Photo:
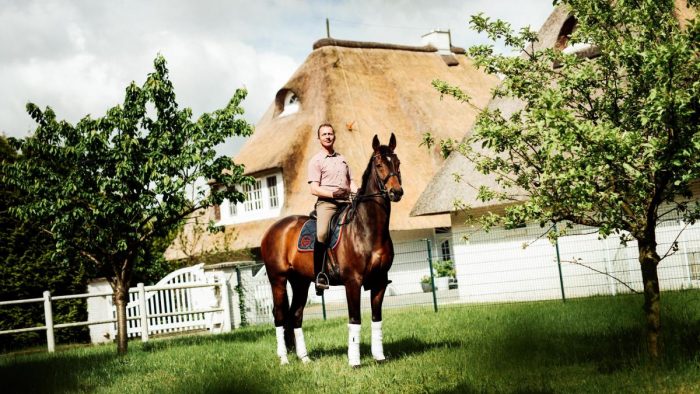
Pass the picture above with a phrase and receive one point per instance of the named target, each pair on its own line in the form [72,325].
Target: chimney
[440,39]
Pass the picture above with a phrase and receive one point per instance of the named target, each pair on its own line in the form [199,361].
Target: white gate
[172,301]
[259,287]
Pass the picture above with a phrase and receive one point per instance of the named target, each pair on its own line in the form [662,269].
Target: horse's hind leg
[300,292]
[280,311]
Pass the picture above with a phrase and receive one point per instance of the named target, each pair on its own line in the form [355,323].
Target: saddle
[307,235]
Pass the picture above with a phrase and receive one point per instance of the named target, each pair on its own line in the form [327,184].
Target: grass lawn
[587,345]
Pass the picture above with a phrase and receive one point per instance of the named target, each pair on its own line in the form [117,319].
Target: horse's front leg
[300,292]
[352,293]
[377,298]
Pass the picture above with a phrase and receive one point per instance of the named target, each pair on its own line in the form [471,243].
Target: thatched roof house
[363,89]
[444,195]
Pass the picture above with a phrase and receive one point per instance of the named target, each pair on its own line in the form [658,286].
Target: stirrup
[320,287]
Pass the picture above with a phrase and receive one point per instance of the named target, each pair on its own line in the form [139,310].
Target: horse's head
[387,168]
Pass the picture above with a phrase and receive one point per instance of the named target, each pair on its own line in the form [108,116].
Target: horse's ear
[375,142]
[392,142]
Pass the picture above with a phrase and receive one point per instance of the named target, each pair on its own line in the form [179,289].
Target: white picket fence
[262,294]
[183,301]
[175,303]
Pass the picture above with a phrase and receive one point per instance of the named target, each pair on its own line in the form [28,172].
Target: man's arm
[353,187]
[320,191]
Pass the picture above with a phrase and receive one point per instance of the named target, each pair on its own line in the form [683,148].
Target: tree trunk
[649,260]
[121,299]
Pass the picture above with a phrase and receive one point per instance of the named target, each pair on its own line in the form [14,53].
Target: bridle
[381,183]
[383,192]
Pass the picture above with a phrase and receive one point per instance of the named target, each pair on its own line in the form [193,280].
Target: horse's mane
[383,150]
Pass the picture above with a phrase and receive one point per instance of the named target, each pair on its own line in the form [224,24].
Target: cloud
[78,56]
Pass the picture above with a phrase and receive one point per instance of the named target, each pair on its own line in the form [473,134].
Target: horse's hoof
[305,360]
[380,360]
[357,366]
[284,361]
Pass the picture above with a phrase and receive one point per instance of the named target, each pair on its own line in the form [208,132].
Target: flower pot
[427,287]
[442,283]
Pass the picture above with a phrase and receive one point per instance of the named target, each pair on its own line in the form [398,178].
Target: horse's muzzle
[395,194]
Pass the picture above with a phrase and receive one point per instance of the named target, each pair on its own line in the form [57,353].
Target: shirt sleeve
[314,171]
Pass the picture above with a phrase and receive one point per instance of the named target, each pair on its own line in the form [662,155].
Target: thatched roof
[363,89]
[443,192]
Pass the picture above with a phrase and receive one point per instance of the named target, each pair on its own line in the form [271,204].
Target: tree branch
[604,273]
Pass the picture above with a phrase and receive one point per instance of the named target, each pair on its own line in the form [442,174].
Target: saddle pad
[307,236]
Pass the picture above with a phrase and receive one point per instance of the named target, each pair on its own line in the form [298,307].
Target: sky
[78,57]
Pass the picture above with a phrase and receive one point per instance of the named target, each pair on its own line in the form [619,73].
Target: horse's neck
[374,214]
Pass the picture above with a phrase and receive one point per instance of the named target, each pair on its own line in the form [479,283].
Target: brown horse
[362,258]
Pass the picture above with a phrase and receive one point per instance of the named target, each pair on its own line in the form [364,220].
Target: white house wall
[494,266]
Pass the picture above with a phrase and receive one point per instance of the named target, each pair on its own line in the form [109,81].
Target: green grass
[590,345]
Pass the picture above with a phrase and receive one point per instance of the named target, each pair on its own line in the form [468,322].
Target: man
[331,182]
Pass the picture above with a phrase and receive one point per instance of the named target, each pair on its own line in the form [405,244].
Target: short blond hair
[318,131]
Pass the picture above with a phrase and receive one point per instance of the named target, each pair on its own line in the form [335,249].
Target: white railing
[144,319]
[262,293]
[173,309]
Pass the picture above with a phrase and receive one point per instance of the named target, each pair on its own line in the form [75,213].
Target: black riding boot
[321,277]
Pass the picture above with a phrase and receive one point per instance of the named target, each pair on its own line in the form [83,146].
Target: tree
[27,270]
[111,187]
[610,142]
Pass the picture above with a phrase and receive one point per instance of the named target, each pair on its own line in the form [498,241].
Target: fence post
[226,301]
[323,304]
[48,315]
[144,312]
[240,292]
[561,277]
[432,277]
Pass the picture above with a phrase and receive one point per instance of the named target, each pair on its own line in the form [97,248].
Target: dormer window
[565,33]
[287,102]
[580,49]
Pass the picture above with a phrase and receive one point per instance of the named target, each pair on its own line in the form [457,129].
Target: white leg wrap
[281,347]
[301,345]
[354,344]
[377,346]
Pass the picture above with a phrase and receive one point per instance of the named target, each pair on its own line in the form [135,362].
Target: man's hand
[340,194]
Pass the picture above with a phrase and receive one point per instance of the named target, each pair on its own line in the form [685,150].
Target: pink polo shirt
[330,171]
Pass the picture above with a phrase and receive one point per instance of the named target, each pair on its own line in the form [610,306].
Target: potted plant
[445,273]
[426,284]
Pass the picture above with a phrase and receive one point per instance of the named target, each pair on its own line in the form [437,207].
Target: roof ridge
[380,45]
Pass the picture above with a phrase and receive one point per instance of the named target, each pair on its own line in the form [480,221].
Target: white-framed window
[232,211]
[272,191]
[443,237]
[264,200]
[253,196]
[445,250]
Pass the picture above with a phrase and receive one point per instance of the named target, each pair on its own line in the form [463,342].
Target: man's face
[326,136]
